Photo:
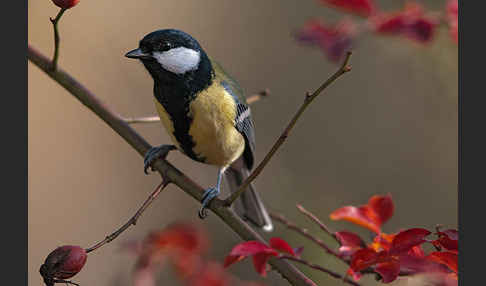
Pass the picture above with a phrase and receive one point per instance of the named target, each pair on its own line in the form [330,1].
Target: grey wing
[243,123]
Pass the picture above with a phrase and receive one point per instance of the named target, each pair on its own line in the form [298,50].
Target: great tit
[205,113]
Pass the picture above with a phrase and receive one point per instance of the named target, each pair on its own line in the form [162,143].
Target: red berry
[66,4]
[63,263]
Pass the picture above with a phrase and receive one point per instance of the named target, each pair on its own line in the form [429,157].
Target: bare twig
[256,97]
[316,220]
[305,233]
[117,123]
[308,99]
[133,219]
[151,119]
[56,37]
[320,268]
[148,119]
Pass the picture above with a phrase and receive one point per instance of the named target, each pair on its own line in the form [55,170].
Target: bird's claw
[155,153]
[208,195]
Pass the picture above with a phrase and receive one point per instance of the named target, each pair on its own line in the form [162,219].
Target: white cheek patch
[178,60]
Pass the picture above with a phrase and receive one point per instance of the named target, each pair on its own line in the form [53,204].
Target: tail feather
[249,206]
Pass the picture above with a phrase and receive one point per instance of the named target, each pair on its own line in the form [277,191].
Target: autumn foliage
[183,246]
[387,255]
[413,22]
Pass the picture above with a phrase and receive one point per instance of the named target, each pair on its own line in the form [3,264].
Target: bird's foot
[208,195]
[155,153]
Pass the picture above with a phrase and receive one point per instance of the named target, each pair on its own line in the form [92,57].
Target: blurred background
[389,126]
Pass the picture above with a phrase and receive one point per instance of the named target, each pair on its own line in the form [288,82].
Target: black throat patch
[175,93]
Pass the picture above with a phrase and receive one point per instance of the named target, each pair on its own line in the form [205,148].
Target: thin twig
[305,233]
[256,97]
[148,119]
[308,99]
[320,268]
[133,219]
[151,119]
[316,220]
[116,122]
[56,37]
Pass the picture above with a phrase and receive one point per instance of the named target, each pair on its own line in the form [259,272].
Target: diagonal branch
[308,99]
[305,233]
[116,122]
[133,220]
[318,221]
[320,268]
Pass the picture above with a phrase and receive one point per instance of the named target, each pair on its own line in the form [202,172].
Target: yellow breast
[213,127]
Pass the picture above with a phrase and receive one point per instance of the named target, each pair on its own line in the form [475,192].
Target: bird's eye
[165,46]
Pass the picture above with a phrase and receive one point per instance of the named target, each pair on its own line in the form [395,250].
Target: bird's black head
[173,56]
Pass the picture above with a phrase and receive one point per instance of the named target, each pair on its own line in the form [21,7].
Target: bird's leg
[210,194]
[155,153]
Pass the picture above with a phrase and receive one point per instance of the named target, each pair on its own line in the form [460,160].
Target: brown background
[389,126]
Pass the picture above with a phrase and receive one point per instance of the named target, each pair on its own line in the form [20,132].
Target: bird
[205,113]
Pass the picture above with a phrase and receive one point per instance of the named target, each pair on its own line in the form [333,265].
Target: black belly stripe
[178,112]
[176,92]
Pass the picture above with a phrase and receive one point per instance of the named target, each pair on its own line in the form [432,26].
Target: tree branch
[133,219]
[305,233]
[117,123]
[56,37]
[320,268]
[308,99]
[317,221]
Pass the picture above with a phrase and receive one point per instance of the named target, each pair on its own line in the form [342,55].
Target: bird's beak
[137,54]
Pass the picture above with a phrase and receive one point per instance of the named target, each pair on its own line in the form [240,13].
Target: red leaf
[383,207]
[230,259]
[447,239]
[281,245]
[355,274]
[388,270]
[367,257]
[359,216]
[360,7]
[260,262]
[452,11]
[416,251]
[411,22]
[371,216]
[382,241]
[349,242]
[347,238]
[447,258]
[333,40]
[181,236]
[422,30]
[180,243]
[407,239]
[251,248]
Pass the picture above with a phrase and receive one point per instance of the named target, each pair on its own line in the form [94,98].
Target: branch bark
[117,123]
[320,268]
[307,101]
